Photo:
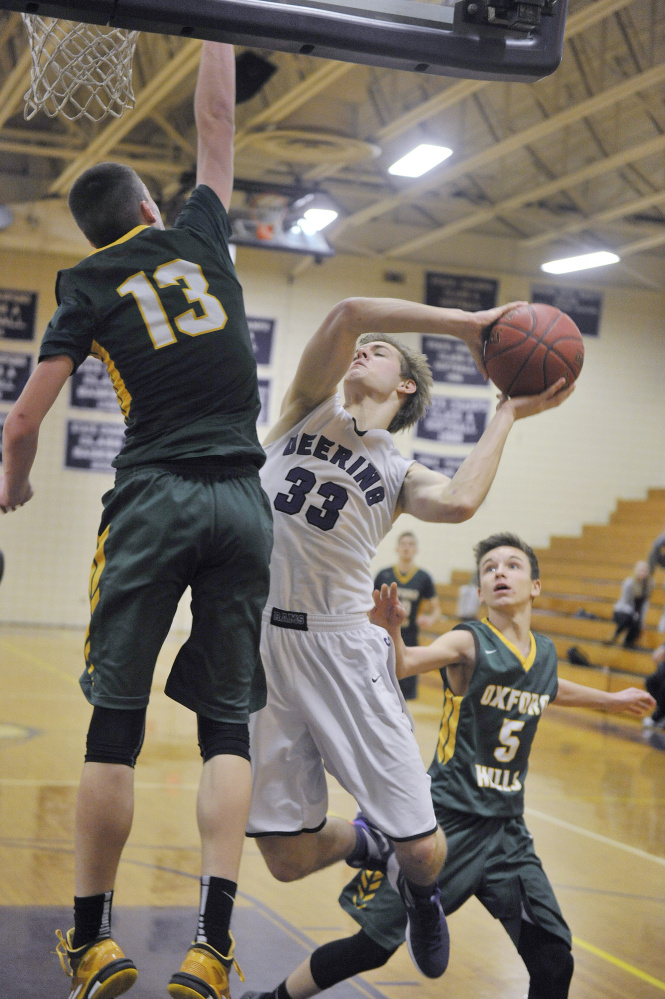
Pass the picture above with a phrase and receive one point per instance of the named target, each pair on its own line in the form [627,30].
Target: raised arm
[456,648]
[214,112]
[631,699]
[21,431]
[329,353]
[434,497]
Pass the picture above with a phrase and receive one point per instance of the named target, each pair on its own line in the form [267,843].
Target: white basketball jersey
[333,492]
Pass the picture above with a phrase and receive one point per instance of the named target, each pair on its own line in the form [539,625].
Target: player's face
[505,579]
[406,549]
[377,366]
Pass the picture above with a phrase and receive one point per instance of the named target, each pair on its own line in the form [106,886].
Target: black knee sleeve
[115,735]
[341,959]
[548,961]
[222,739]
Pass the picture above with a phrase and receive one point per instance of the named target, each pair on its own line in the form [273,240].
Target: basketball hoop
[267,210]
[78,70]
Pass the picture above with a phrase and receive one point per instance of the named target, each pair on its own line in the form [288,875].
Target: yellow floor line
[629,968]
[36,661]
[597,836]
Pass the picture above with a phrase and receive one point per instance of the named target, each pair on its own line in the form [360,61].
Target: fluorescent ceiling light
[316,219]
[420,160]
[581,263]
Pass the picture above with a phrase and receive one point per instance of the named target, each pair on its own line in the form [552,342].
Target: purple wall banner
[14,372]
[91,388]
[92,446]
[454,421]
[447,464]
[451,361]
[18,310]
[584,307]
[261,332]
[264,396]
[456,291]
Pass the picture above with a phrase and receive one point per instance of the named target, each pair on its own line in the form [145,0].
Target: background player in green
[498,678]
[164,310]
[417,594]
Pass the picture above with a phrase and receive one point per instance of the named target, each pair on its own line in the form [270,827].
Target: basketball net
[78,70]
[267,211]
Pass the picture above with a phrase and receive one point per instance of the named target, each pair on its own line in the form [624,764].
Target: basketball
[531,347]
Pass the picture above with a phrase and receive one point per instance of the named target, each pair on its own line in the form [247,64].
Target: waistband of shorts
[292,620]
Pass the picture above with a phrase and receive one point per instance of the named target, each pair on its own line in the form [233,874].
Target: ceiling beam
[325,76]
[463,89]
[641,81]
[530,196]
[598,218]
[13,89]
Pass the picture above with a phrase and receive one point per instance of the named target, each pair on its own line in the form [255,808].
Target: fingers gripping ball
[531,347]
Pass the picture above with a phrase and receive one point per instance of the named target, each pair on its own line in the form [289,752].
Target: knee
[422,858]
[282,860]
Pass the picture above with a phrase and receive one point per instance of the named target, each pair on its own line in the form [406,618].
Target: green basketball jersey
[482,753]
[164,311]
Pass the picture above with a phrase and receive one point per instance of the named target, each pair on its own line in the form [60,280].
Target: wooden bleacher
[580,577]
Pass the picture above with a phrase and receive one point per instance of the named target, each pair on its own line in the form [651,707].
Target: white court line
[597,836]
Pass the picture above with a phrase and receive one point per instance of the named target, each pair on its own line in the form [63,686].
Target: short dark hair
[105,202]
[407,534]
[507,540]
[415,366]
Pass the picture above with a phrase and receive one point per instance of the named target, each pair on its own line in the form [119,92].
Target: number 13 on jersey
[188,276]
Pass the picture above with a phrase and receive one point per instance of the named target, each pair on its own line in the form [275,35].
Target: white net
[79,70]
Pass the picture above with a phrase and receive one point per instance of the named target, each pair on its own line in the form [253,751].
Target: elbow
[352,316]
[18,428]
[457,513]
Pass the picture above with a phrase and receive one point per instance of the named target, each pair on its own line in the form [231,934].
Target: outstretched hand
[633,700]
[387,611]
[530,405]
[481,322]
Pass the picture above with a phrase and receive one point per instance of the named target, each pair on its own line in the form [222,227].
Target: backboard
[508,40]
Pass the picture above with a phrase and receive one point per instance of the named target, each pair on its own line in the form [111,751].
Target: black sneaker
[379,847]
[427,934]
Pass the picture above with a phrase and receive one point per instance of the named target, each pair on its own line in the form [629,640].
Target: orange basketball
[531,347]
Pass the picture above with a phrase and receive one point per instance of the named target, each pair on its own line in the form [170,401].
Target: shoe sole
[112,981]
[185,986]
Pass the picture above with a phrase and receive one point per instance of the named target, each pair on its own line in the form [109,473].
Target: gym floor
[595,805]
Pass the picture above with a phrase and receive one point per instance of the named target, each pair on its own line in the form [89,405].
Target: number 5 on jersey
[187,276]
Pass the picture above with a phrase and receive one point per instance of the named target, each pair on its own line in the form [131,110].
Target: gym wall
[559,470]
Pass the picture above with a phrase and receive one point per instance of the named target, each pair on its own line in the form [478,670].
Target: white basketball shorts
[333,702]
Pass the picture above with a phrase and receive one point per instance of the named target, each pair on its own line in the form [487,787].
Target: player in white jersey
[336,483]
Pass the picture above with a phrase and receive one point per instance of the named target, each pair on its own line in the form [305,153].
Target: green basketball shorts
[162,531]
[491,858]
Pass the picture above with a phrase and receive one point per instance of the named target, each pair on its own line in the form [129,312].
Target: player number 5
[509,742]
[187,276]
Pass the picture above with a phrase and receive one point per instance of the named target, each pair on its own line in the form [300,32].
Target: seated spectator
[630,608]
[655,685]
[657,557]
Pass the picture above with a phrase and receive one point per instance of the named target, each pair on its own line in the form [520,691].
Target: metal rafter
[591,106]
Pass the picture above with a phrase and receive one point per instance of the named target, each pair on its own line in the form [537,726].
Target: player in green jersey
[164,310]
[498,678]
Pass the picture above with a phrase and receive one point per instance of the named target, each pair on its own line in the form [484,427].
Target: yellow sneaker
[204,972]
[99,968]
